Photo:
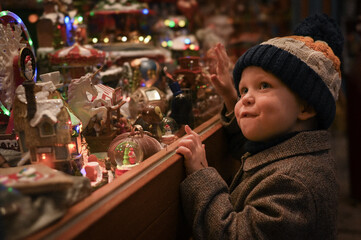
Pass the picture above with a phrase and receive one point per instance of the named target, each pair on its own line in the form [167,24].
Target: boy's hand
[192,149]
[223,81]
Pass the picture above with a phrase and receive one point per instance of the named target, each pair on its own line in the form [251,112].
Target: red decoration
[77,55]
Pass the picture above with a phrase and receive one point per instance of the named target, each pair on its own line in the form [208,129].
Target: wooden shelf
[143,203]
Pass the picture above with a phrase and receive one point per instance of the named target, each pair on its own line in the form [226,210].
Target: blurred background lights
[66,19]
[33,18]
[182,23]
[171,24]
[95,40]
[164,44]
[147,39]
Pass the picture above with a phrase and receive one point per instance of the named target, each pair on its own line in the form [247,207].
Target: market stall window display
[68,128]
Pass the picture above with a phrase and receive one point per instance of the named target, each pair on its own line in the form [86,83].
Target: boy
[286,186]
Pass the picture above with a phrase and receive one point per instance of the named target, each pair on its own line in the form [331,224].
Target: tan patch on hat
[320,46]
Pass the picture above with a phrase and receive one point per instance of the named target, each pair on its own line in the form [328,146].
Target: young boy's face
[267,107]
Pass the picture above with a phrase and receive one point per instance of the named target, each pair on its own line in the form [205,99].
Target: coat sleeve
[277,207]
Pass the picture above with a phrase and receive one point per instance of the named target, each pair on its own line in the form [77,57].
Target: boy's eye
[242,92]
[265,85]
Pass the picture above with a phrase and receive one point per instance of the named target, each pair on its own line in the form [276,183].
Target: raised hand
[222,81]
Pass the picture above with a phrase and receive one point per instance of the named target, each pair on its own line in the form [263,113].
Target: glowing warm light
[141,38]
[191,47]
[182,23]
[124,39]
[80,19]
[147,39]
[43,156]
[95,40]
[167,22]
[164,44]
[72,146]
[106,40]
[33,18]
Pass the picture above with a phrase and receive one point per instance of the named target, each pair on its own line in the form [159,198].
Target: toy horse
[81,105]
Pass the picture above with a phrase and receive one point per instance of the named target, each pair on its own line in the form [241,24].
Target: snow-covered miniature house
[46,133]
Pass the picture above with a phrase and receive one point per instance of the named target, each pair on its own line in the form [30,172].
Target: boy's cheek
[237,110]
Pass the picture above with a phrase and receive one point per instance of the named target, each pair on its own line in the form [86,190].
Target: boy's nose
[247,99]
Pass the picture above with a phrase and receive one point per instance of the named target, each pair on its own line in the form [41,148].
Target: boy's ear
[306,111]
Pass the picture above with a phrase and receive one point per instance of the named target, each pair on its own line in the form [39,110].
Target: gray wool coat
[288,191]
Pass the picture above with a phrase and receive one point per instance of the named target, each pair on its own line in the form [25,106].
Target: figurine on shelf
[181,104]
[29,73]
[150,119]
[79,102]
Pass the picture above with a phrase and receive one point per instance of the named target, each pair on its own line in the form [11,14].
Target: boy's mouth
[248,115]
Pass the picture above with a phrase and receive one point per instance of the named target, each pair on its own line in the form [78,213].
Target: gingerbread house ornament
[44,135]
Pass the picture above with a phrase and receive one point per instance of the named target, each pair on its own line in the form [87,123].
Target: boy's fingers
[188,143]
[184,151]
[214,79]
[188,129]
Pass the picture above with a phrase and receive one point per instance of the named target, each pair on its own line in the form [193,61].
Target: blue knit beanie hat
[308,62]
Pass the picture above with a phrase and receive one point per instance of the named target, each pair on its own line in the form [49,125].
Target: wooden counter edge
[82,215]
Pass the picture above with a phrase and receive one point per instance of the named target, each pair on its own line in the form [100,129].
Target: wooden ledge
[134,202]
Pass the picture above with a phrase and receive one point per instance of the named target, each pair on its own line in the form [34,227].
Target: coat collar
[302,143]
